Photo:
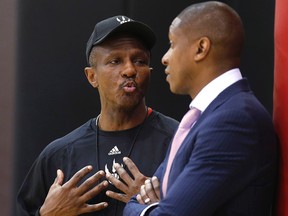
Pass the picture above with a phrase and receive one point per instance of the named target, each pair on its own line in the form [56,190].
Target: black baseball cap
[120,24]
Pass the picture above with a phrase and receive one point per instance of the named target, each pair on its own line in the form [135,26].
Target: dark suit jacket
[226,166]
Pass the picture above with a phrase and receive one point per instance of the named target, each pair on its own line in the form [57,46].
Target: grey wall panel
[8,28]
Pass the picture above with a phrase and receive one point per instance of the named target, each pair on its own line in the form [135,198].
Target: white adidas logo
[114,151]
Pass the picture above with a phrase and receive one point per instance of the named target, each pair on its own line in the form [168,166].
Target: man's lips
[129,86]
[167,74]
[166,71]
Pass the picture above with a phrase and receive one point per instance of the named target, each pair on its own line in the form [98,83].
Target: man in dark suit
[226,164]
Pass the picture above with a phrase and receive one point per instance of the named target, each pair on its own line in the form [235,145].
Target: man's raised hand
[70,199]
[130,185]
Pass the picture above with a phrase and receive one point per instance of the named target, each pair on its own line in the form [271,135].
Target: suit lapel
[180,158]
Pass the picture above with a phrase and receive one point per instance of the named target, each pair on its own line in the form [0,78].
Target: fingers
[139,199]
[94,191]
[149,192]
[93,207]
[118,196]
[59,178]
[72,196]
[88,187]
[143,198]
[131,166]
[123,174]
[78,176]
[129,185]
[137,178]
[127,189]
[156,186]
[117,183]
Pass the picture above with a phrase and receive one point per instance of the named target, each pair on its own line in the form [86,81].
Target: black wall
[52,94]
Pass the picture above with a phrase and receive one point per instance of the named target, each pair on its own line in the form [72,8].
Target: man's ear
[203,48]
[91,76]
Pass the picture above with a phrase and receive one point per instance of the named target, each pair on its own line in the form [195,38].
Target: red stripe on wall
[280,103]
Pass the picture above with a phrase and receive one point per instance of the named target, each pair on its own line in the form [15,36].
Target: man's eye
[114,61]
[141,61]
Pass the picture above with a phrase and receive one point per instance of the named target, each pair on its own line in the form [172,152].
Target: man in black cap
[118,55]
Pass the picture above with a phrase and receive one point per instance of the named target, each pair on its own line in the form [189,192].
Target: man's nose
[164,59]
[129,70]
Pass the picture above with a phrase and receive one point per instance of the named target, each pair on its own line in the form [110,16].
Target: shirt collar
[214,88]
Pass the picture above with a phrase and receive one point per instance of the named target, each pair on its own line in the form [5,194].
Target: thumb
[60,177]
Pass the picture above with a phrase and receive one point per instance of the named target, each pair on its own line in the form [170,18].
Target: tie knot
[189,118]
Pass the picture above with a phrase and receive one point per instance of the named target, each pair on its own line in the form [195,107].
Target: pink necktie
[184,127]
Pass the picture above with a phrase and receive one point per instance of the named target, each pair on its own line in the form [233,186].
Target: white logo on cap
[123,20]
